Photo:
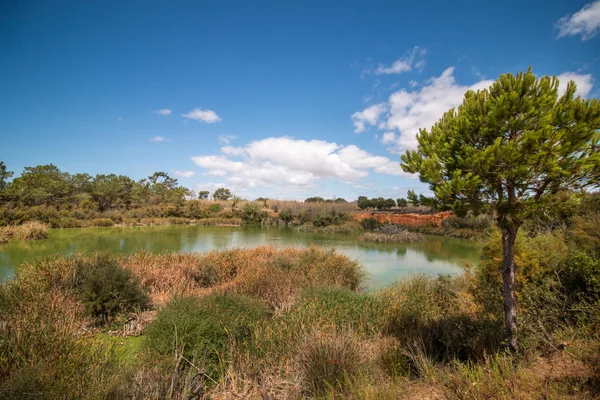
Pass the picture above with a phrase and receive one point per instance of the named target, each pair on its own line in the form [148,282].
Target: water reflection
[383,262]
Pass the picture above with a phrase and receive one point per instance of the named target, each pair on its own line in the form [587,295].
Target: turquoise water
[384,263]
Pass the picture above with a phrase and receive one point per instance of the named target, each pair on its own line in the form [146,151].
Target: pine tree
[510,147]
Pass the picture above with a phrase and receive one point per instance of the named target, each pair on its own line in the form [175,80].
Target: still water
[384,263]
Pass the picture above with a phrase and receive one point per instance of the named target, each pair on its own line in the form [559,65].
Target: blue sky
[269,98]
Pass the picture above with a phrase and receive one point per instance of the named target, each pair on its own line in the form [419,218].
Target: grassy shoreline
[285,323]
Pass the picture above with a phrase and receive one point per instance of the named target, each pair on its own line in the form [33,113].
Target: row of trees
[47,185]
[380,203]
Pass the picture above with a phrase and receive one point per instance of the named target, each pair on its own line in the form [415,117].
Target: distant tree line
[380,203]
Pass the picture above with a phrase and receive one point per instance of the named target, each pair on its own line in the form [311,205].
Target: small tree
[222,194]
[413,198]
[203,194]
[510,147]
[401,202]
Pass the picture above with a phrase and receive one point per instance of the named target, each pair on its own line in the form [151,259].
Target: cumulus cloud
[368,116]
[198,114]
[291,163]
[226,138]
[165,111]
[158,139]
[584,22]
[408,110]
[388,138]
[185,174]
[404,64]
[584,83]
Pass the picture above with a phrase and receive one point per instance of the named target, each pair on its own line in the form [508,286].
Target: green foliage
[337,307]
[329,362]
[105,288]
[215,208]
[511,146]
[204,327]
[370,224]
[401,202]
[479,222]
[413,198]
[286,215]
[437,316]
[580,275]
[203,194]
[314,200]
[4,176]
[222,194]
[252,212]
[379,203]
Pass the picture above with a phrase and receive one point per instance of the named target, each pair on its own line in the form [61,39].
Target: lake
[384,263]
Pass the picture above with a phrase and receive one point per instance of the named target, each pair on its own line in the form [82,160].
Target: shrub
[479,222]
[338,307]
[580,274]
[31,230]
[252,212]
[370,224]
[215,208]
[102,222]
[286,215]
[105,288]
[204,327]
[329,361]
[439,317]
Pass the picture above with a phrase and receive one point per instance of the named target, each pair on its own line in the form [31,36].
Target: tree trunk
[509,236]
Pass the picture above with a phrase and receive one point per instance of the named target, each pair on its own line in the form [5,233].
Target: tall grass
[31,230]
[294,323]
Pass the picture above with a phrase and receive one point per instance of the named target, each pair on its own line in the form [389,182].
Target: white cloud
[584,22]
[404,64]
[226,138]
[584,83]
[158,139]
[388,138]
[413,83]
[165,111]
[185,174]
[198,114]
[368,116]
[289,163]
[408,110]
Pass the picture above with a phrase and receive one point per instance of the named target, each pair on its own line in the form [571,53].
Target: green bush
[439,316]
[580,275]
[215,208]
[370,224]
[286,215]
[337,307]
[252,212]
[204,327]
[105,288]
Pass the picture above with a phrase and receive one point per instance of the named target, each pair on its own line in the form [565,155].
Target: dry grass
[32,230]
[401,237]
[271,274]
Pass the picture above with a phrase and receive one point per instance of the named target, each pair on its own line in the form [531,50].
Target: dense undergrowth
[268,323]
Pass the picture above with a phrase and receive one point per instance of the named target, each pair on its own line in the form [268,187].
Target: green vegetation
[298,320]
[510,147]
[197,327]
[105,289]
